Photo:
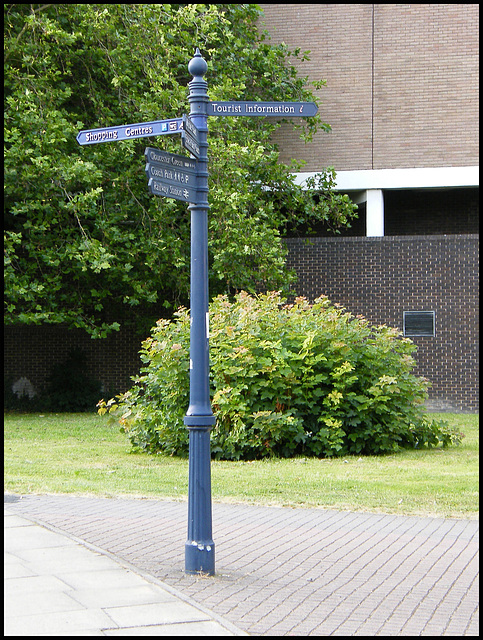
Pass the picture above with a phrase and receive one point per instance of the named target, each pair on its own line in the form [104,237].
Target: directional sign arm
[175,177]
[130,131]
[191,129]
[263,109]
[190,144]
[166,159]
[168,189]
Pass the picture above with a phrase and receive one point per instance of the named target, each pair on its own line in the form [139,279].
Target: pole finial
[197,66]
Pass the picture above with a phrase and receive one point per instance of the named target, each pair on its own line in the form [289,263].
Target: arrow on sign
[273,109]
[129,131]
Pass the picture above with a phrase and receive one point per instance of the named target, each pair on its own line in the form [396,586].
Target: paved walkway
[279,571]
[56,585]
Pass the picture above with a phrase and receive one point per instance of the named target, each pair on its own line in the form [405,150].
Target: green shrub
[286,379]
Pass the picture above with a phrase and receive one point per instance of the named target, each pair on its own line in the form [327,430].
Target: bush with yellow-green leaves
[286,379]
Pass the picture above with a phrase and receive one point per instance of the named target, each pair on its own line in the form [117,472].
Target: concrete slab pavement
[56,585]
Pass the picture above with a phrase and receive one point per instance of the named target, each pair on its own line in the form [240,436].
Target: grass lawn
[83,454]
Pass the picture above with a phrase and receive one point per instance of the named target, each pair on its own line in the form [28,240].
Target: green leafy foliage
[286,379]
[85,243]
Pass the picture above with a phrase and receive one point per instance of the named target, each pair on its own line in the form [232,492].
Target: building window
[418,323]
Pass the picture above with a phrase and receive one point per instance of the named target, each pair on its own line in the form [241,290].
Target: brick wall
[402,82]
[426,85]
[339,37]
[429,212]
[31,352]
[382,277]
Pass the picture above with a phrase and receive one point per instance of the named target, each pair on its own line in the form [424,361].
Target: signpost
[186,179]
[190,144]
[190,128]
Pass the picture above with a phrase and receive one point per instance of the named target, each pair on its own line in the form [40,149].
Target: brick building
[402,99]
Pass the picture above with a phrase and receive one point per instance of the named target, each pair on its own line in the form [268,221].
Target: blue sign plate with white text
[177,177]
[263,109]
[191,129]
[169,190]
[190,144]
[170,160]
[130,131]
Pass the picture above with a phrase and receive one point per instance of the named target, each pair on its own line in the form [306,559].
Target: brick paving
[295,572]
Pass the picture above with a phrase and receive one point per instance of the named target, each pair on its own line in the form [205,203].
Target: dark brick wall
[31,352]
[382,277]
[430,211]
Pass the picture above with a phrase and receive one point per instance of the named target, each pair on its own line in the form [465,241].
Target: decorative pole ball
[197,66]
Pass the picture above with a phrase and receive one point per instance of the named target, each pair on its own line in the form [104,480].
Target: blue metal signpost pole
[184,179]
[199,548]
[172,176]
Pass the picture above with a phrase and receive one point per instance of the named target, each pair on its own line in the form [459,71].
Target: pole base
[200,558]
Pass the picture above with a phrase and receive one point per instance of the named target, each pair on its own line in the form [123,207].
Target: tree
[85,242]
